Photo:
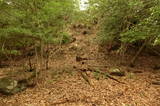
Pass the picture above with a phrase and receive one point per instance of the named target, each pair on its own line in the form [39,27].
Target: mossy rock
[18,83]
[9,86]
[116,72]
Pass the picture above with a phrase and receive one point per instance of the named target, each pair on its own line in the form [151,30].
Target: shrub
[129,21]
[27,22]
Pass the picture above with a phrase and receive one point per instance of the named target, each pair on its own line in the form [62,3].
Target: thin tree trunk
[41,55]
[37,68]
[47,57]
[137,54]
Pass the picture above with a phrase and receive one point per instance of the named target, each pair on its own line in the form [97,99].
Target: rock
[116,72]
[18,83]
[9,86]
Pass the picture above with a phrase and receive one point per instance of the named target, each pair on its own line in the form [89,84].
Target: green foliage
[63,38]
[11,52]
[97,74]
[24,22]
[131,75]
[82,17]
[128,21]
[149,27]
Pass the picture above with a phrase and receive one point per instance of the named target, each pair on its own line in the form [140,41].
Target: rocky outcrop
[13,85]
[9,86]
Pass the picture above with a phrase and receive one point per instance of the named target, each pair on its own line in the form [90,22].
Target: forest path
[65,86]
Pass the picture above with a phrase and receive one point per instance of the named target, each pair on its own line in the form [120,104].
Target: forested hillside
[79,52]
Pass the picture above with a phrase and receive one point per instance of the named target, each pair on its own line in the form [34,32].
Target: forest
[79,52]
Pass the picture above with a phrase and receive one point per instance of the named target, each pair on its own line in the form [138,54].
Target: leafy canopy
[127,21]
[24,22]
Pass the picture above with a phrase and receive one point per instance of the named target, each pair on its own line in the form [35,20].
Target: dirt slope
[65,86]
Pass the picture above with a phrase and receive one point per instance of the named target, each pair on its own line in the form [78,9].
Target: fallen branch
[102,73]
[107,75]
[99,66]
[85,78]
[156,82]
[114,79]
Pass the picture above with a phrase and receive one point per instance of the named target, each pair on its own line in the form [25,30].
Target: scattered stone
[116,72]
